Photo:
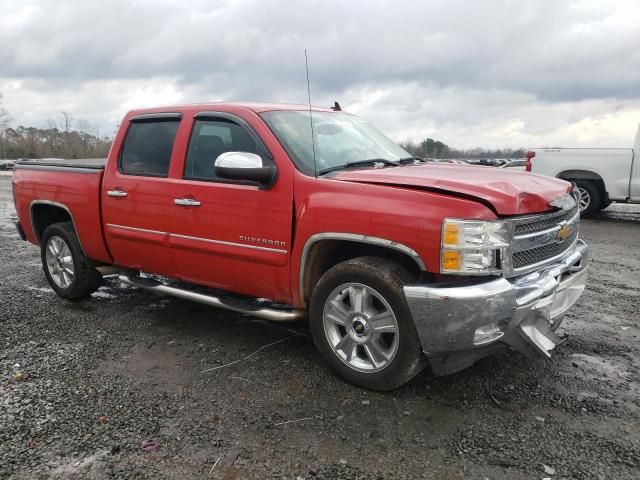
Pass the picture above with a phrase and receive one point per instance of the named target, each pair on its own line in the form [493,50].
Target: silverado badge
[563,233]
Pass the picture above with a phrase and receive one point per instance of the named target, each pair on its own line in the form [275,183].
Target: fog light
[487,334]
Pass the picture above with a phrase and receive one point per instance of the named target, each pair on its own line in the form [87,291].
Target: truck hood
[506,192]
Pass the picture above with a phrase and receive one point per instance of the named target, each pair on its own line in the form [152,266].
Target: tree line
[430,148]
[69,138]
[64,137]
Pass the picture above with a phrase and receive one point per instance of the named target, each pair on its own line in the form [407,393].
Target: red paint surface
[510,192]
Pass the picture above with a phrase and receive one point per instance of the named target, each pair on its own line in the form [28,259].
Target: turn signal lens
[451,260]
[450,234]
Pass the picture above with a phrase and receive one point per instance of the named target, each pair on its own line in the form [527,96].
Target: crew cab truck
[602,175]
[394,262]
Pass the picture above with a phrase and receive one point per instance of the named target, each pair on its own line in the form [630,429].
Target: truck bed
[71,186]
[61,163]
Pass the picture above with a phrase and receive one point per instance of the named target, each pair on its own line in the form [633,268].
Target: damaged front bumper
[457,325]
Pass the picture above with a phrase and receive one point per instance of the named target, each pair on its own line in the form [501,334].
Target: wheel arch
[44,213]
[325,250]
[590,176]
[580,175]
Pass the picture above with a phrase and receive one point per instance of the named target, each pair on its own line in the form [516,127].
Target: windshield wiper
[360,163]
[409,160]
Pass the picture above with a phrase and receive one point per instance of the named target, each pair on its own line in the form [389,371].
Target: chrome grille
[538,225]
[536,239]
[537,255]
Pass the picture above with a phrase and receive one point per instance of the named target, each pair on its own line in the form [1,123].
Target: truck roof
[254,106]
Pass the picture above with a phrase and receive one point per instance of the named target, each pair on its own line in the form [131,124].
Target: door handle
[116,193]
[186,202]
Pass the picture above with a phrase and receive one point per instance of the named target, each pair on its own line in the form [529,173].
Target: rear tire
[362,325]
[65,265]
[590,198]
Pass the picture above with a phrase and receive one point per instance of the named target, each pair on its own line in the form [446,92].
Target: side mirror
[244,166]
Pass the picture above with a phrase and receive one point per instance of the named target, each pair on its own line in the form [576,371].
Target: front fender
[403,219]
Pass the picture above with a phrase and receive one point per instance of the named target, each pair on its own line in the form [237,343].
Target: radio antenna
[313,141]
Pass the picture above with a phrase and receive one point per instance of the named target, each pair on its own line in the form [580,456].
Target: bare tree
[4,123]
[67,121]
[66,125]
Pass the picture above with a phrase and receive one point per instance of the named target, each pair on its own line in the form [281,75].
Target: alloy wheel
[585,199]
[360,327]
[59,261]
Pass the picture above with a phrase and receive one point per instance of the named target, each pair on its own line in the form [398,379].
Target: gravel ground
[125,385]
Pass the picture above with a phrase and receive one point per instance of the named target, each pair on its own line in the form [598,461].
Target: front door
[230,235]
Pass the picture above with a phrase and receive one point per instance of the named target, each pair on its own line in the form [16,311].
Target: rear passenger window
[209,139]
[147,148]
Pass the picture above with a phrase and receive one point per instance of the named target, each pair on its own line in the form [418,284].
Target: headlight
[471,247]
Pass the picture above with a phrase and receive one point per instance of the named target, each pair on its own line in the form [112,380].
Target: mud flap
[20,230]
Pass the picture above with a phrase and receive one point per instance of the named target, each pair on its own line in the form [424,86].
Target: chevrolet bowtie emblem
[563,233]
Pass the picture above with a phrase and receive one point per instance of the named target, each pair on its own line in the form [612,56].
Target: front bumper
[457,325]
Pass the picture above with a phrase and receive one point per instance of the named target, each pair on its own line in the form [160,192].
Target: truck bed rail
[61,164]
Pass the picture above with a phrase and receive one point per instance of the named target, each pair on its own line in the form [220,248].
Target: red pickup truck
[395,261]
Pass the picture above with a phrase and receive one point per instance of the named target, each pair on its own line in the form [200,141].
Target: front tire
[362,325]
[590,198]
[65,265]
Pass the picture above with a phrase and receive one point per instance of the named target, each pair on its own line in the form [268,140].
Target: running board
[273,314]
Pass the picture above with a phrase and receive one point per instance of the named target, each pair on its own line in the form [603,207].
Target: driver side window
[209,139]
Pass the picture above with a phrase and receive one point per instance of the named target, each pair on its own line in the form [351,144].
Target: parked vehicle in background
[488,162]
[6,165]
[448,160]
[602,175]
[516,165]
[392,259]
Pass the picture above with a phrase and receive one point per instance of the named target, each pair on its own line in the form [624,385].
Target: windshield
[340,138]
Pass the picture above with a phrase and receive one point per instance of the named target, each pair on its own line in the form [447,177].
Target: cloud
[490,73]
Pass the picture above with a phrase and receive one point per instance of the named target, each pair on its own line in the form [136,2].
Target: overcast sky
[471,73]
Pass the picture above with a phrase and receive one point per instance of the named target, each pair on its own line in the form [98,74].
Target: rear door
[137,211]
[231,235]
